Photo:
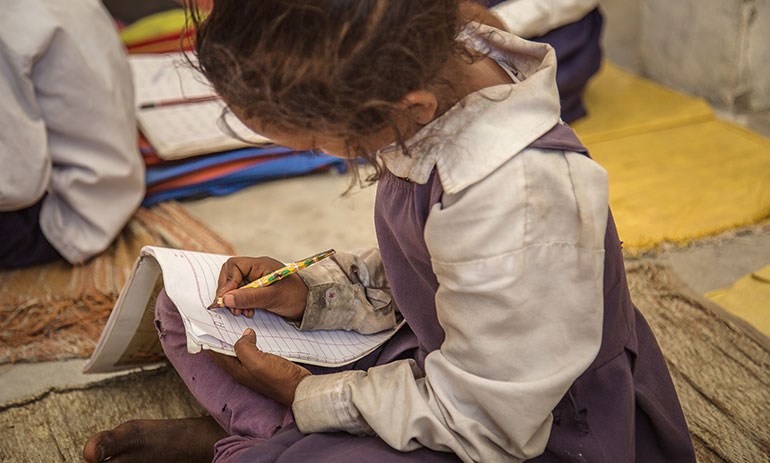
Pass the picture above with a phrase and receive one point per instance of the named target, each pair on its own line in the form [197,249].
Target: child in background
[495,244]
[572,27]
[72,174]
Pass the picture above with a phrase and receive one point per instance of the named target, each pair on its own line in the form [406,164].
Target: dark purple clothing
[578,57]
[623,408]
[262,430]
[22,242]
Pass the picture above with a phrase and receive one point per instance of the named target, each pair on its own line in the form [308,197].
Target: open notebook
[181,130]
[190,279]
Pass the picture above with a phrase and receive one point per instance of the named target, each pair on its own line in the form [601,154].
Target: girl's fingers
[246,345]
[231,275]
[245,312]
[237,271]
[252,298]
[267,374]
[261,364]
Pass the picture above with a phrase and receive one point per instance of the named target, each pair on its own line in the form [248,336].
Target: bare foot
[183,440]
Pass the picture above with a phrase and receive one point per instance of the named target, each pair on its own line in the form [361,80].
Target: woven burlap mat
[720,366]
[54,425]
[57,311]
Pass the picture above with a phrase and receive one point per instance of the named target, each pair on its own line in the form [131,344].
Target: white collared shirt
[533,18]
[67,123]
[517,247]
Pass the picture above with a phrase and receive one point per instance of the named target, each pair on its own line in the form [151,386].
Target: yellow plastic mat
[685,183]
[676,172]
[620,103]
[748,298]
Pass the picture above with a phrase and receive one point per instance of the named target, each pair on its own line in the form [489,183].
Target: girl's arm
[532,18]
[519,257]
[348,291]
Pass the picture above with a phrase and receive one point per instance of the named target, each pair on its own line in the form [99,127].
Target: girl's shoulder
[537,197]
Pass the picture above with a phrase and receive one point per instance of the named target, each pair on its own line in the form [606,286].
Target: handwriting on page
[274,335]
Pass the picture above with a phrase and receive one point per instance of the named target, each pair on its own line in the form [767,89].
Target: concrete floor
[292,218]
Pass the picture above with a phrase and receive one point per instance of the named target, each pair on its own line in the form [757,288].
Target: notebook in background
[181,130]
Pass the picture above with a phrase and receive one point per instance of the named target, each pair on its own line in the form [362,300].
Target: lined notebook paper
[190,280]
[184,130]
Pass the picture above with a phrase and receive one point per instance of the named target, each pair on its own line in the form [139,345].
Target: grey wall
[717,49]
[758,55]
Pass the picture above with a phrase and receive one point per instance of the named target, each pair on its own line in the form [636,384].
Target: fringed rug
[57,311]
[720,365]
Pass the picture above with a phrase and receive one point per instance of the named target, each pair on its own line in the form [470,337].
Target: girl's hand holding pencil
[246,284]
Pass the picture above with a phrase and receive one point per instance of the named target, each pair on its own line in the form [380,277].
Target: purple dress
[623,408]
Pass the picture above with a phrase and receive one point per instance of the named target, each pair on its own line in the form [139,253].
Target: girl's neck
[485,73]
[469,77]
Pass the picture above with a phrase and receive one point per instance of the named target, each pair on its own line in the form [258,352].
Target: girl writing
[495,244]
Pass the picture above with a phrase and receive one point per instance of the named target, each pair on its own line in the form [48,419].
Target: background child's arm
[67,124]
[532,18]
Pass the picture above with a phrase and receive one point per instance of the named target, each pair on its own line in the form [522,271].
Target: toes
[94,450]
[184,440]
[109,444]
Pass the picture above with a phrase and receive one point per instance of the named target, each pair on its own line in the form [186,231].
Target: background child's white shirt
[532,18]
[67,123]
[517,246]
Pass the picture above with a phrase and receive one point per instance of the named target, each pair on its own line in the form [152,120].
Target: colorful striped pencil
[283,272]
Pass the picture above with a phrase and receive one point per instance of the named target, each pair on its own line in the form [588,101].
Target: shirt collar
[488,127]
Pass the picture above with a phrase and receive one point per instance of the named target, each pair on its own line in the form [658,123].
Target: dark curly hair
[333,67]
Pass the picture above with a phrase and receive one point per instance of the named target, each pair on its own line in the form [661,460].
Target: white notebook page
[187,129]
[190,280]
